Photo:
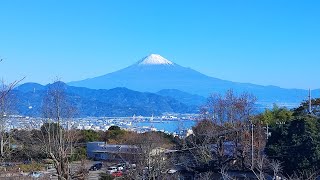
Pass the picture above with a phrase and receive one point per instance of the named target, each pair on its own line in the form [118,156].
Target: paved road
[93,175]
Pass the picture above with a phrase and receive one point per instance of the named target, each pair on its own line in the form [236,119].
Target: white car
[112,169]
[35,174]
[120,167]
[172,171]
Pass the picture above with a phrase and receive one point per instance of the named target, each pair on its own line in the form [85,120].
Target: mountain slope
[186,98]
[30,87]
[154,73]
[151,74]
[90,102]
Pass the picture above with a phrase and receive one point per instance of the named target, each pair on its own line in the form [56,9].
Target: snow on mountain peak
[155,59]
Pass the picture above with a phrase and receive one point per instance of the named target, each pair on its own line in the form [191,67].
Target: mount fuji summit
[155,73]
[155,59]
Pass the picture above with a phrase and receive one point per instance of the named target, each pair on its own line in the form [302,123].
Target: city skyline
[265,43]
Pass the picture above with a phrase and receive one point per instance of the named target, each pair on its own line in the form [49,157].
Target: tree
[223,138]
[303,109]
[29,145]
[152,161]
[115,135]
[277,115]
[6,106]
[58,139]
[296,144]
[228,108]
[90,136]
[114,128]
[276,167]
[6,88]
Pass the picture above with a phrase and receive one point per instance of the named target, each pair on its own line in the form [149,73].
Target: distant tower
[310,109]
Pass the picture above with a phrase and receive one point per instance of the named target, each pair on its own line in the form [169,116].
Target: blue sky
[262,42]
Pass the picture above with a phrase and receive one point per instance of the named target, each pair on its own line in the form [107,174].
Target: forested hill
[89,102]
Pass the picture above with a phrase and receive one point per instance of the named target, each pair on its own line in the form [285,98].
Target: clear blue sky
[274,42]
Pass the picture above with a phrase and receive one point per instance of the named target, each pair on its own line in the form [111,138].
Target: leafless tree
[276,167]
[260,167]
[224,174]
[4,140]
[205,176]
[152,161]
[223,136]
[6,88]
[6,106]
[234,113]
[229,108]
[81,172]
[57,137]
[312,174]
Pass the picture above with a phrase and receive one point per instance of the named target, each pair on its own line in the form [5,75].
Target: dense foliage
[296,141]
[276,115]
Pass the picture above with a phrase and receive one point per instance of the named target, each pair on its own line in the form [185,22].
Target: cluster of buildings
[136,123]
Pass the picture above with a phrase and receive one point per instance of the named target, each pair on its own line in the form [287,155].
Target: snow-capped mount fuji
[154,59]
[154,73]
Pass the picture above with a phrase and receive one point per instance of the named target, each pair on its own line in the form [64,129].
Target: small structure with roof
[104,151]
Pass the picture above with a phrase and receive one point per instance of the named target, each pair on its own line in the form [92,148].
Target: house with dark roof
[111,152]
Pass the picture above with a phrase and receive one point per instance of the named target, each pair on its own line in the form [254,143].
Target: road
[93,175]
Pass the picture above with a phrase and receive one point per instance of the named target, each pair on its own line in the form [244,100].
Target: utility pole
[252,153]
[267,131]
[310,108]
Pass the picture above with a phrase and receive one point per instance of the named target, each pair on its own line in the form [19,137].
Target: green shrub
[31,167]
[80,154]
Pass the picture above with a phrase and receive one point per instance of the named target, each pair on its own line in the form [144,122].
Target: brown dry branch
[57,137]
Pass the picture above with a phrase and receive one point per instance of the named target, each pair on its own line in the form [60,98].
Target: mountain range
[90,102]
[155,73]
[151,86]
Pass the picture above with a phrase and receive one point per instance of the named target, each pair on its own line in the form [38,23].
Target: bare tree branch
[58,138]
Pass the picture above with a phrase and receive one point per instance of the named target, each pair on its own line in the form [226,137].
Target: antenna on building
[310,108]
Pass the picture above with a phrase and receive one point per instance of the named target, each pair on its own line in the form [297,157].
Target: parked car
[35,174]
[112,169]
[117,174]
[120,167]
[96,166]
[130,166]
[50,166]
[172,171]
